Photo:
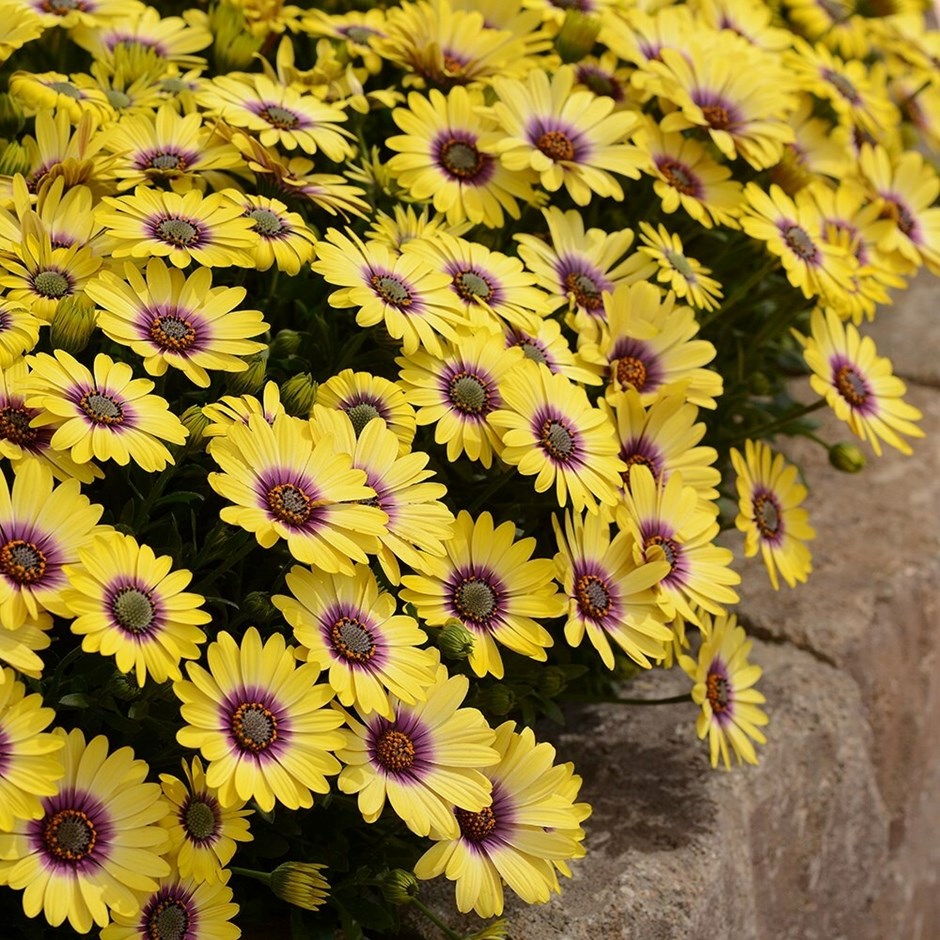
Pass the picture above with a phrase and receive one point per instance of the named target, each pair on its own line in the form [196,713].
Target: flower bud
[123,687]
[196,423]
[250,381]
[285,343]
[73,323]
[298,395]
[15,159]
[300,884]
[400,886]
[258,606]
[497,930]
[234,46]
[847,458]
[497,699]
[552,681]
[455,640]
[11,116]
[577,36]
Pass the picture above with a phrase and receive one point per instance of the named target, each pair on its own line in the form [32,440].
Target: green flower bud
[759,384]
[400,886]
[552,681]
[497,699]
[234,46]
[497,930]
[196,423]
[73,323]
[298,395]
[285,343]
[123,687]
[250,381]
[455,640]
[259,608]
[847,458]
[15,159]
[300,884]
[577,36]
[11,116]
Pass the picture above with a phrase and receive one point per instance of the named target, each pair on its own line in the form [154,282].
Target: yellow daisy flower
[347,626]
[232,409]
[130,604]
[609,595]
[202,832]
[97,844]
[284,241]
[819,148]
[424,760]
[54,91]
[358,29]
[173,320]
[105,415]
[770,516]
[406,225]
[570,138]
[18,648]
[532,827]
[858,384]
[550,429]
[549,346]
[493,586]
[21,25]
[685,276]
[724,687]
[69,13]
[285,486]
[210,230]
[260,721]
[43,526]
[19,331]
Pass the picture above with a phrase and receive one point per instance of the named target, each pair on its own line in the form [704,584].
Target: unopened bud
[497,930]
[123,687]
[15,159]
[577,35]
[234,46]
[73,323]
[285,343]
[298,395]
[196,423]
[552,681]
[455,640]
[400,886]
[11,116]
[258,606]
[251,380]
[497,699]
[847,458]
[300,884]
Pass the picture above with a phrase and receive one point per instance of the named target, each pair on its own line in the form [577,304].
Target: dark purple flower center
[14,425]
[592,595]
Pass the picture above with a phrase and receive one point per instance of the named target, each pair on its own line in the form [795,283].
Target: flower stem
[431,916]
[261,876]
[740,292]
[617,700]
[771,427]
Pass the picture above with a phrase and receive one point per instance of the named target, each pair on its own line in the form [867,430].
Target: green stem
[772,427]
[431,916]
[740,292]
[493,487]
[616,700]
[261,876]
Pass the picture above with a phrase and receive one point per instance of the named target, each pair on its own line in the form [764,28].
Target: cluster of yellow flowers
[503,194]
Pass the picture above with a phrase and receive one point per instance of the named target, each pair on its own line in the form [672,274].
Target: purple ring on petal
[456,153]
[257,724]
[577,276]
[353,638]
[74,834]
[475,594]
[558,140]
[557,437]
[403,749]
[635,365]
[289,497]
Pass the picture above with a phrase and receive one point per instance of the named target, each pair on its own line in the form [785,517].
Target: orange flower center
[102,409]
[22,561]
[173,333]
[289,503]
[476,826]
[352,640]
[254,727]
[70,835]
[14,426]
[395,750]
[593,596]
[851,386]
[717,692]
[556,145]
[557,439]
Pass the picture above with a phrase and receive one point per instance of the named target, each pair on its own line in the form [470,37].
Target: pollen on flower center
[102,409]
[169,920]
[289,503]
[593,596]
[352,640]
[475,600]
[800,243]
[586,292]
[200,820]
[395,750]
[133,610]
[631,371]
[69,836]
[461,158]
[267,223]
[172,332]
[361,414]
[51,284]
[632,460]
[14,426]
[669,548]
[279,117]
[22,561]
[178,232]
[717,116]
[556,145]
[717,692]
[476,826]
[469,393]
[254,727]
[471,286]
[678,176]
[851,386]
[166,161]
[391,290]
[557,439]
[767,515]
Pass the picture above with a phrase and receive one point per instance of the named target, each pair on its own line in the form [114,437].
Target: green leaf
[75,700]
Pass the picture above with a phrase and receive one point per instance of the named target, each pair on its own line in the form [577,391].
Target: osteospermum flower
[97,843]
[683,275]
[19,647]
[30,767]
[19,331]
[668,522]
[349,627]
[649,345]
[424,760]
[550,347]
[130,604]
[173,320]
[442,158]
[42,528]
[492,585]
[237,409]
[53,90]
[202,832]
[532,827]
[770,516]
[724,687]
[260,722]
[456,392]
[610,597]
[858,384]
[106,415]
[285,241]
[285,487]
[412,299]
[550,430]
[570,138]
[21,26]
[179,909]
[211,230]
